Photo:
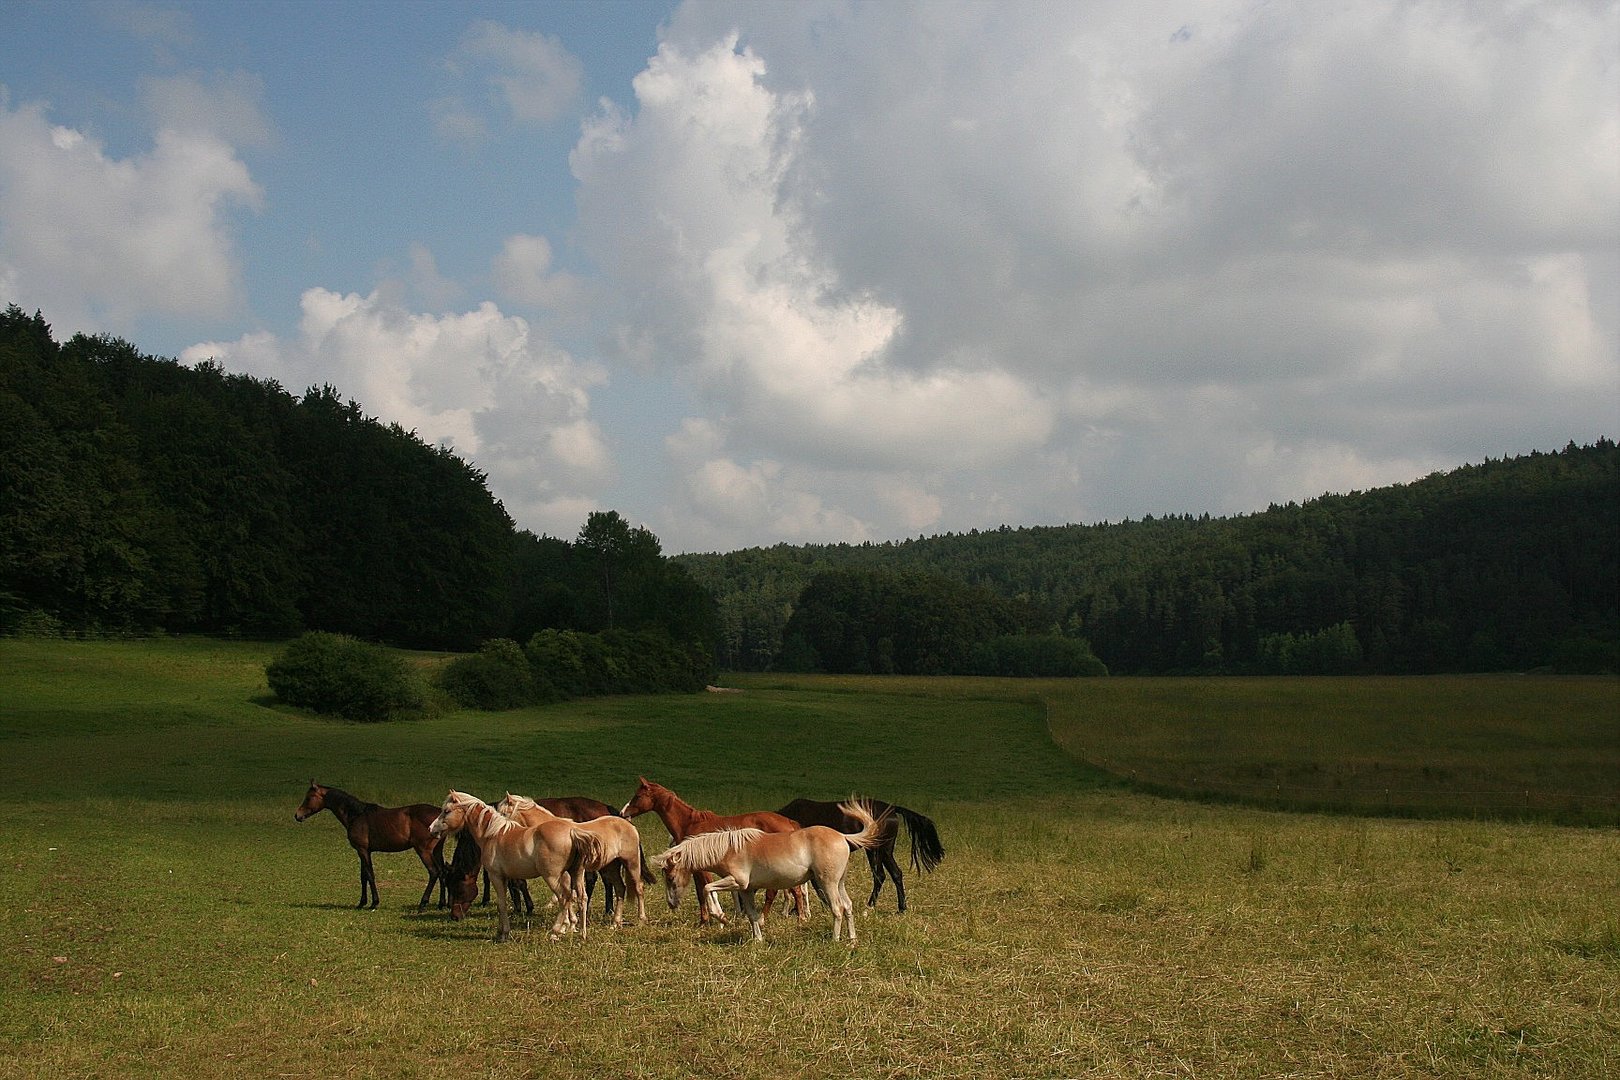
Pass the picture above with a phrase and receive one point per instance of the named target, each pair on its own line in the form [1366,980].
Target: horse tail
[647,876]
[872,828]
[926,849]
[586,851]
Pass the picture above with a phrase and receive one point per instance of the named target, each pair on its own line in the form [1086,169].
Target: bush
[497,676]
[332,673]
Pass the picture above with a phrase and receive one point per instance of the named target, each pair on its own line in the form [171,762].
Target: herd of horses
[571,843]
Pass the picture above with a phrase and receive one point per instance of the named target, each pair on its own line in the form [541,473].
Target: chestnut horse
[380,828]
[555,851]
[624,866]
[465,870]
[926,850]
[748,859]
[683,820]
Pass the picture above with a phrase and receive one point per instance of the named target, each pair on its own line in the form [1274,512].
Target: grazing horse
[465,867]
[380,828]
[624,866]
[748,859]
[555,851]
[926,850]
[683,820]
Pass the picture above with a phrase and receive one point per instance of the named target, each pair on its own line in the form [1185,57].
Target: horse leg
[849,913]
[432,862]
[801,900]
[632,877]
[899,878]
[519,890]
[874,859]
[561,886]
[708,902]
[613,879]
[756,919]
[368,879]
[503,924]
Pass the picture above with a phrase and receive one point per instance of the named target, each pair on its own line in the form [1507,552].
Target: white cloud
[1045,260]
[523,274]
[685,203]
[479,381]
[96,241]
[225,105]
[529,77]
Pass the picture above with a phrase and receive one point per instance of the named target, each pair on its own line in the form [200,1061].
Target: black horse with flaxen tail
[926,849]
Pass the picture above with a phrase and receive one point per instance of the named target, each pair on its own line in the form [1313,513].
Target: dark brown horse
[380,828]
[684,820]
[926,850]
[465,869]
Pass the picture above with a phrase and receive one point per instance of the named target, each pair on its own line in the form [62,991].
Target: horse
[464,874]
[683,821]
[749,859]
[926,850]
[465,867]
[380,828]
[555,851]
[624,866]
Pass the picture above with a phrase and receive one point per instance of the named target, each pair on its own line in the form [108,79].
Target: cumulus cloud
[479,381]
[523,273]
[684,202]
[95,240]
[529,77]
[1037,259]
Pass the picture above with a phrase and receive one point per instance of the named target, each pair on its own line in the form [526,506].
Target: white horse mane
[522,803]
[706,849]
[488,822]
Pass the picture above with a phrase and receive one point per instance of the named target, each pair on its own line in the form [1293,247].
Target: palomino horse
[624,867]
[926,850]
[683,821]
[380,828]
[466,865]
[465,869]
[748,859]
[554,851]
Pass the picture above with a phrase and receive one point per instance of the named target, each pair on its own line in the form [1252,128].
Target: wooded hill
[1505,565]
[138,494]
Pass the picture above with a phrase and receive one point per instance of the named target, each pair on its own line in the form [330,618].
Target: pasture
[164,914]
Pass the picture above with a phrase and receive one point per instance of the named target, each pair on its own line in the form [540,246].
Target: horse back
[809,812]
[764,820]
[578,807]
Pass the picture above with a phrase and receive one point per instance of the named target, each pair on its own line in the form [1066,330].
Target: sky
[808,272]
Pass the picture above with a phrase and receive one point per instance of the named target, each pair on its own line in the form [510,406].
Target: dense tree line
[139,494]
[1506,565]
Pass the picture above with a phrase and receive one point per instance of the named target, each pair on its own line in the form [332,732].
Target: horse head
[314,802]
[643,800]
[453,814]
[677,875]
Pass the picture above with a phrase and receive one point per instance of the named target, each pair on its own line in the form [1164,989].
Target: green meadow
[164,914]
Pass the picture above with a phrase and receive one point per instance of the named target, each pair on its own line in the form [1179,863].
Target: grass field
[165,916]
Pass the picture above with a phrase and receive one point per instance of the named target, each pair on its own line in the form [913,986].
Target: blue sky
[752,272]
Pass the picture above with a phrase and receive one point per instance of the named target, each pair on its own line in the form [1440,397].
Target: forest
[139,495]
[1511,564]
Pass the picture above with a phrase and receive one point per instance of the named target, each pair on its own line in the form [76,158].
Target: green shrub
[332,673]
[497,676]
